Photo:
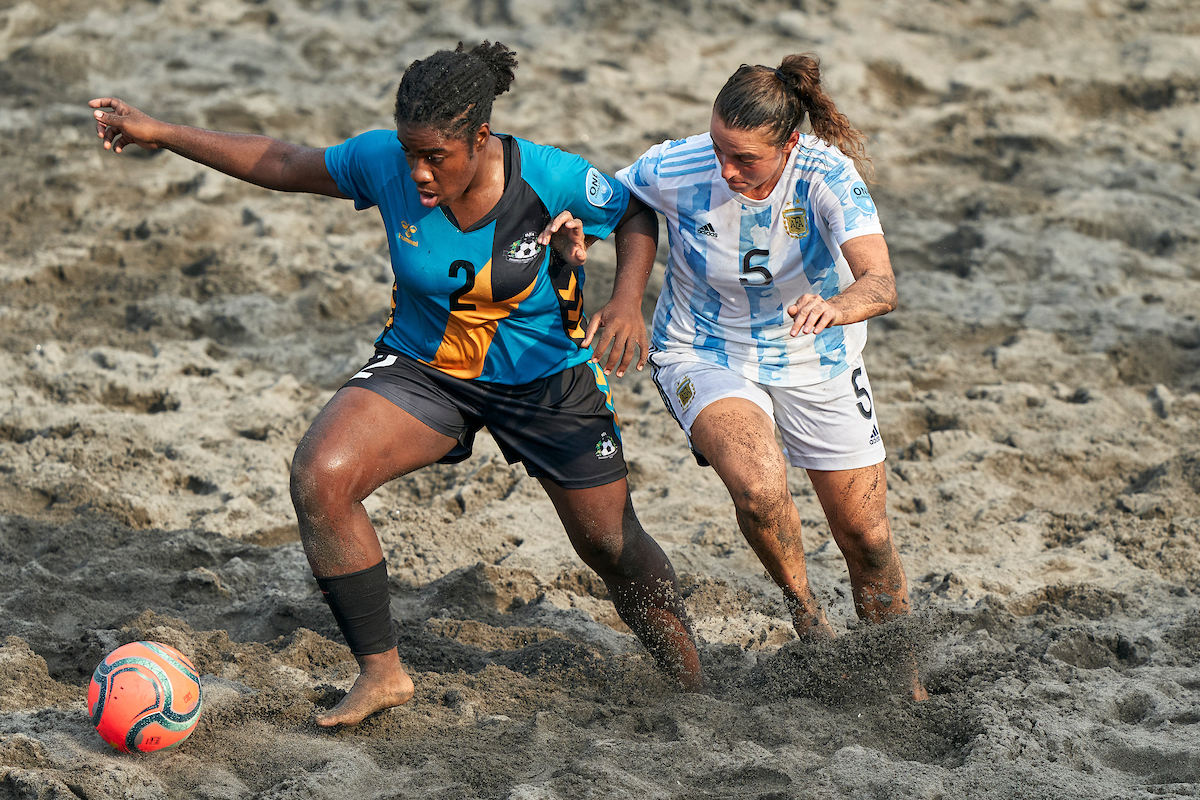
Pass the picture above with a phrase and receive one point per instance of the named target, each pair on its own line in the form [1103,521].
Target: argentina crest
[795,221]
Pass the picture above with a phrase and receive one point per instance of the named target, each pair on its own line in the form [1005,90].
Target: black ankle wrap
[361,604]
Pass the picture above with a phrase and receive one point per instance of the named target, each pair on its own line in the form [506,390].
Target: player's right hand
[123,125]
[565,234]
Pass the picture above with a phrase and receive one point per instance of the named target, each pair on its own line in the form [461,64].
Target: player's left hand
[812,314]
[621,326]
[565,234]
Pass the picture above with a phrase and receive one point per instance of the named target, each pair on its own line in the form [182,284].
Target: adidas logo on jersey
[874,435]
[707,230]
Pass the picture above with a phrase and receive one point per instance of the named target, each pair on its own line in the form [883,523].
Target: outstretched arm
[872,294]
[260,160]
[620,323]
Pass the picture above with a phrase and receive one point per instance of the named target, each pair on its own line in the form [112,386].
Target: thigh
[831,425]
[447,405]
[737,437]
[689,387]
[361,440]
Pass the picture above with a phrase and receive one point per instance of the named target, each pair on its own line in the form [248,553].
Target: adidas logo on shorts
[874,440]
[707,230]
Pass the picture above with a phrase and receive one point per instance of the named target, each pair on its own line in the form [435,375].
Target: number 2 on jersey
[456,304]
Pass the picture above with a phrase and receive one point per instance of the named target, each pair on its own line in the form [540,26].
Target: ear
[480,139]
[791,142]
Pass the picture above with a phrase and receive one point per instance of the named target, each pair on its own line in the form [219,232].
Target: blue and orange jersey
[488,302]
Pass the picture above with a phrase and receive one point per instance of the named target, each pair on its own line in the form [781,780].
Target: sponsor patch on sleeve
[599,191]
[862,198]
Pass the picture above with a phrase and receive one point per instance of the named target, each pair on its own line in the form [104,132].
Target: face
[750,164]
[443,168]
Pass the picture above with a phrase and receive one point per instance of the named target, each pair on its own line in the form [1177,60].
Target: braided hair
[452,90]
[779,98]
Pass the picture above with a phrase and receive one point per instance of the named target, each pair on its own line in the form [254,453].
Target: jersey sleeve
[568,182]
[641,177]
[349,164]
[846,205]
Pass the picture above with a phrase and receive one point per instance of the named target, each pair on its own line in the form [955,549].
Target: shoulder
[542,156]
[683,157]
[373,141]
[547,168]
[823,166]
[673,163]
[816,160]
[365,148]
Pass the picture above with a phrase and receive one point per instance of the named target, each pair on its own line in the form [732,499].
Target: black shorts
[563,428]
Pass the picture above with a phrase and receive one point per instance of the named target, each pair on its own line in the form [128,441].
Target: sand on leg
[606,533]
[358,442]
[855,504]
[737,438]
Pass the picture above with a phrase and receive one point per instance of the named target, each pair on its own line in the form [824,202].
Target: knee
[760,497]
[602,551]
[318,482]
[871,548]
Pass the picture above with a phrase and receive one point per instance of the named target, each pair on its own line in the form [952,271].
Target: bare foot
[811,627]
[381,683]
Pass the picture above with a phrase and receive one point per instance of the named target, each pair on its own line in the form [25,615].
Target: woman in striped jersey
[777,259]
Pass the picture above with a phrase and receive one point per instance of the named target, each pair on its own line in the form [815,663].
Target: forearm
[636,245]
[257,159]
[869,296]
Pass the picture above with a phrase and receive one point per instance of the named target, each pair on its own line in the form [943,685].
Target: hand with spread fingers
[123,125]
[619,330]
[565,234]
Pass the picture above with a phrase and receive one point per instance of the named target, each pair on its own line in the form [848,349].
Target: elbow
[639,218]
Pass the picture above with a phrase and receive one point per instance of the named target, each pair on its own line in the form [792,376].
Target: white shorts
[827,426]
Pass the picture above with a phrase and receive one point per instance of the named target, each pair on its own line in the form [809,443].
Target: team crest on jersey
[605,448]
[685,392]
[795,221]
[408,233]
[524,249]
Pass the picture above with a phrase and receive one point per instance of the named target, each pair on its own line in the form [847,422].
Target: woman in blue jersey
[487,330]
[777,259]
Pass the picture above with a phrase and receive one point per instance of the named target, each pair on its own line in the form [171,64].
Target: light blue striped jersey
[736,264]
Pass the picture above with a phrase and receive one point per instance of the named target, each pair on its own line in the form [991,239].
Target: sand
[168,334]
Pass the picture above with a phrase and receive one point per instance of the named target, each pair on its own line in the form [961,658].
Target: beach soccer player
[777,259]
[486,330]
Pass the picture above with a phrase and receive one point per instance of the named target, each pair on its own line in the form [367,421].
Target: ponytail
[779,99]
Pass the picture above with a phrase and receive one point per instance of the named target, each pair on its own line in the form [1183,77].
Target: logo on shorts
[795,222]
[407,233]
[605,448]
[524,249]
[685,392]
[874,440]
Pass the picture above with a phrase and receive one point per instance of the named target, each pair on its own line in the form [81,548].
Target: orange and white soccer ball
[144,696]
